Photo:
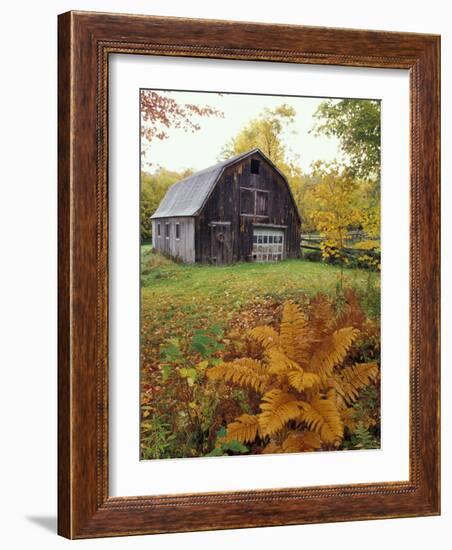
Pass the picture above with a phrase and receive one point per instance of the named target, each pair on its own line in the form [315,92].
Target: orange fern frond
[245,429]
[323,417]
[301,380]
[266,336]
[245,372]
[346,394]
[352,379]
[295,334]
[331,352]
[278,408]
[352,314]
[272,448]
[349,418]
[360,374]
[297,442]
[278,362]
[321,316]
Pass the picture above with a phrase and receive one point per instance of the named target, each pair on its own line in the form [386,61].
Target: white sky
[201,149]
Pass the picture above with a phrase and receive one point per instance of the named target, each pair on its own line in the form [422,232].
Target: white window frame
[265,251]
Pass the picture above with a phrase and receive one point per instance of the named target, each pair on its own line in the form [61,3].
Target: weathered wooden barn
[241,209]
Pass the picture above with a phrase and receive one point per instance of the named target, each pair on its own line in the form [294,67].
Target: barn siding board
[182,249]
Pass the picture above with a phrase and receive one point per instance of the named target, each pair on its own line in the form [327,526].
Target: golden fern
[353,379]
[348,418]
[360,374]
[266,336]
[297,442]
[352,314]
[295,336]
[278,408]
[272,448]
[331,352]
[320,316]
[278,362]
[301,380]
[244,429]
[322,416]
[305,387]
[245,372]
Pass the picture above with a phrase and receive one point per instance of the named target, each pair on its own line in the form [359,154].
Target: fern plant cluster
[306,377]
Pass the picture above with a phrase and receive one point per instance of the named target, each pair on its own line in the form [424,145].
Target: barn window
[246,201]
[261,203]
[253,202]
[158,230]
[167,226]
[268,244]
[177,231]
[255,166]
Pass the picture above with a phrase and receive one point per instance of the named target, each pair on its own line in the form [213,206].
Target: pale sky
[201,149]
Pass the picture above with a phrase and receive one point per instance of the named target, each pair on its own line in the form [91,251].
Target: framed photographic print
[248,275]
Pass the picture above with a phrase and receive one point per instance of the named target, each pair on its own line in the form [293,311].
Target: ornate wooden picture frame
[86,40]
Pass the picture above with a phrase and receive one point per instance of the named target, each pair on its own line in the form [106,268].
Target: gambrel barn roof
[188,196]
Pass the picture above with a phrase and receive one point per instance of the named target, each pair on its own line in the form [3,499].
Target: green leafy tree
[356,123]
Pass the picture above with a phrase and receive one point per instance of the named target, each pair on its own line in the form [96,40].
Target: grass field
[165,283]
[177,299]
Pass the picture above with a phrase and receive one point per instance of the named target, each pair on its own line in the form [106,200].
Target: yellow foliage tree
[338,203]
[306,388]
[265,132]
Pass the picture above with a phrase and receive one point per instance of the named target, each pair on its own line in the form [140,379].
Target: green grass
[177,299]
[235,284]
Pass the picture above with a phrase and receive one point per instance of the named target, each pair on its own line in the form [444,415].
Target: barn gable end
[250,202]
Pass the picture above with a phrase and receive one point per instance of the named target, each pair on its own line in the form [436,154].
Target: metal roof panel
[188,196]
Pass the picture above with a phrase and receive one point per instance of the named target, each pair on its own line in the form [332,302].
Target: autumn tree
[302,185]
[336,206]
[265,132]
[356,124]
[337,203]
[160,111]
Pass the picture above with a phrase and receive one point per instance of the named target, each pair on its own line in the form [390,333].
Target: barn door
[221,243]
